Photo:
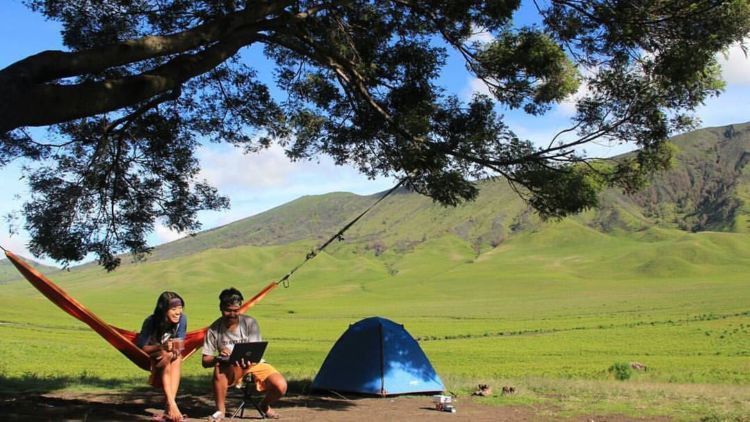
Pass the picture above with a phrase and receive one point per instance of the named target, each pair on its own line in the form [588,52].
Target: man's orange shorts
[260,372]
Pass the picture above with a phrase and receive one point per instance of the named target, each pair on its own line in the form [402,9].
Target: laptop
[251,352]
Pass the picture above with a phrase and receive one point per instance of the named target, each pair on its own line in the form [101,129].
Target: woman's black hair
[230,296]
[159,322]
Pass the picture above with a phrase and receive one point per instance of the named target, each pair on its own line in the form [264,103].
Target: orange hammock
[120,339]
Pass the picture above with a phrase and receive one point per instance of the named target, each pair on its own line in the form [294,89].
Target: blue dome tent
[377,356]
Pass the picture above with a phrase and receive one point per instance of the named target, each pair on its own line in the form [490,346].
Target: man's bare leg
[224,376]
[220,389]
[275,389]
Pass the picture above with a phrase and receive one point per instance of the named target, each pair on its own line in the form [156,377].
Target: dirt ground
[144,405]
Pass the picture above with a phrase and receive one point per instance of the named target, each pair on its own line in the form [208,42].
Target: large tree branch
[50,103]
[28,102]
[51,65]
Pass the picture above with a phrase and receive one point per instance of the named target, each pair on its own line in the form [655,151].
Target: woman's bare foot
[173,413]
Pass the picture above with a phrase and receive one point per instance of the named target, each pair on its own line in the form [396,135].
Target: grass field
[548,312]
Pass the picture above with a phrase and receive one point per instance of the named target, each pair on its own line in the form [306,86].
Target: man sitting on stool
[222,335]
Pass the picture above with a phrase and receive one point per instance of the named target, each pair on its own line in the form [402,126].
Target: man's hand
[242,363]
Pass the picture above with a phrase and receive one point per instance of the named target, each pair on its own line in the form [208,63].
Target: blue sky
[256,183]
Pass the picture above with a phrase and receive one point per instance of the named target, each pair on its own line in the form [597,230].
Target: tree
[145,81]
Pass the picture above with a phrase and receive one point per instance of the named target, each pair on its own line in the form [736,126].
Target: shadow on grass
[86,397]
[33,383]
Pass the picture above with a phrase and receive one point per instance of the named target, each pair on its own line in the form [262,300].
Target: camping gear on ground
[377,356]
[444,403]
[484,391]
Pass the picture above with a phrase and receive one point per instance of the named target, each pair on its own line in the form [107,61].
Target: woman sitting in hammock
[162,337]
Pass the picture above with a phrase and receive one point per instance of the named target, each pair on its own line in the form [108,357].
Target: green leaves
[527,69]
[558,192]
[105,193]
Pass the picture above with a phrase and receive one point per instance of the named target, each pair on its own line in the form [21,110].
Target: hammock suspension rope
[338,236]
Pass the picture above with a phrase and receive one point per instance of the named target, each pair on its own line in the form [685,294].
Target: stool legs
[247,396]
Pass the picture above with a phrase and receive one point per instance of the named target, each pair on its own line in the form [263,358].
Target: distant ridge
[308,217]
[9,273]
[708,189]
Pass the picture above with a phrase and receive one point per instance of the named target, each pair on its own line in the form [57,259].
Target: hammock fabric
[121,339]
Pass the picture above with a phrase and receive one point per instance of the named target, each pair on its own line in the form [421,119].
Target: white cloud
[474,86]
[11,188]
[15,244]
[258,182]
[735,66]
[481,35]
[164,234]
[270,172]
[567,107]
[540,135]
[228,168]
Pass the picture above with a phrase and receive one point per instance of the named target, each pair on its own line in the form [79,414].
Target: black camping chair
[249,395]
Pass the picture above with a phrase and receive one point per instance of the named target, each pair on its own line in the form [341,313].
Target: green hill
[708,189]
[309,217]
[399,223]
[9,273]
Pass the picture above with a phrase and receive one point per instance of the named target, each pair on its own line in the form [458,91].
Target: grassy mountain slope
[309,217]
[9,273]
[399,223]
[708,189]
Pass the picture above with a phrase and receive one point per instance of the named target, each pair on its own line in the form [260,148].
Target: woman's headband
[175,301]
